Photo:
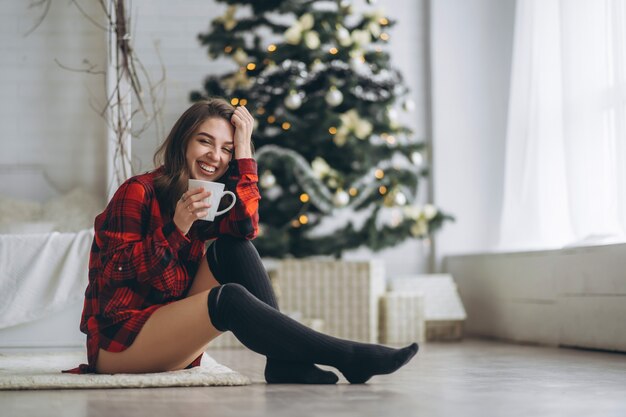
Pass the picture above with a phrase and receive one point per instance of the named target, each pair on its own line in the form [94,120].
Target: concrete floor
[472,378]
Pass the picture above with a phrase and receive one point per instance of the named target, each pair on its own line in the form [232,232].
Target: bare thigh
[172,337]
[204,279]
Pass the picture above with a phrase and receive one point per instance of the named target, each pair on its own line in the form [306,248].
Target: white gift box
[402,318]
[444,314]
[344,294]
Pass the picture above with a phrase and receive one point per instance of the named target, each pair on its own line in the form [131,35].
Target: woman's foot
[370,360]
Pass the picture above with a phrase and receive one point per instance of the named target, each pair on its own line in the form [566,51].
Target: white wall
[175,27]
[471,47]
[44,111]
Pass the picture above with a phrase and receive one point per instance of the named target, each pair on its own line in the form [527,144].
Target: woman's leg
[233,260]
[173,334]
[178,337]
[170,339]
[268,332]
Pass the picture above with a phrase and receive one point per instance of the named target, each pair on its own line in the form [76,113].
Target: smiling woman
[156,297]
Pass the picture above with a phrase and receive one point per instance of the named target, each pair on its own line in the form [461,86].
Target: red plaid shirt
[141,261]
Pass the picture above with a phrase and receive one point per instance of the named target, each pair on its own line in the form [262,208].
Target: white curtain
[565,167]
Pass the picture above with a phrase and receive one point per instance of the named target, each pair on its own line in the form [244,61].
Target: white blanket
[41,273]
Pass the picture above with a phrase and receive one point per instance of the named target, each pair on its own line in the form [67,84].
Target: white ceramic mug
[217,192]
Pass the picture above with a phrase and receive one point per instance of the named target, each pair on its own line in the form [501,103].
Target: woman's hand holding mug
[191,207]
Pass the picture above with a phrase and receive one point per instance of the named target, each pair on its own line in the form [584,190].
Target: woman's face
[210,149]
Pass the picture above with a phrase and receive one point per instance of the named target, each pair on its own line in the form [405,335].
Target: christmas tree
[331,151]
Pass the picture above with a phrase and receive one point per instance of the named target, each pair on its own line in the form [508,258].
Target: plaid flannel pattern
[141,261]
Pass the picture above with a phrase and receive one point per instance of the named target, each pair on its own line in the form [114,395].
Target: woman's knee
[221,299]
[226,251]
[225,294]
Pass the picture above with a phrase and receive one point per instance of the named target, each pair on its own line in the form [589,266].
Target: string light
[234,101]
[295,224]
[379,174]
[304,197]
[286,125]
[260,111]
[353,192]
[228,49]
[251,66]
[303,219]
[390,140]
[333,51]
[243,102]
[382,189]
[384,36]
[383,21]
[271,119]
[271,48]
[332,130]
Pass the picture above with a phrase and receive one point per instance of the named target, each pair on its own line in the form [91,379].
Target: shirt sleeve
[243,219]
[128,251]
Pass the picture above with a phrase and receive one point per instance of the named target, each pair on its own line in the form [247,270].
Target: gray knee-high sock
[265,330]
[234,260]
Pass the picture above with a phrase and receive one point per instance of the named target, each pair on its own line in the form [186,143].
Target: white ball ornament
[334,97]
[268,180]
[417,158]
[293,35]
[312,40]
[293,101]
[307,21]
[343,36]
[356,63]
[409,105]
[400,199]
[318,66]
[361,37]
[430,211]
[341,198]
[392,114]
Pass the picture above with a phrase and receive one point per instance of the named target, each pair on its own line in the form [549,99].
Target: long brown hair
[172,180]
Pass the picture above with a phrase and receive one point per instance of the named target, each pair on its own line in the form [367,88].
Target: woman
[156,298]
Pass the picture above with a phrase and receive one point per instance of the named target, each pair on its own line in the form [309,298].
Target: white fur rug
[43,371]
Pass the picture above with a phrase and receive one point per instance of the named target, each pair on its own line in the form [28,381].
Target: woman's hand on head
[244,123]
[190,208]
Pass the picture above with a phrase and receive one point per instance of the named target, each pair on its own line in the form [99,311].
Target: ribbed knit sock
[237,261]
[265,330]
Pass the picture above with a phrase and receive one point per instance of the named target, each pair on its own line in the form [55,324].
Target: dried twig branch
[39,3]
[90,70]
[128,70]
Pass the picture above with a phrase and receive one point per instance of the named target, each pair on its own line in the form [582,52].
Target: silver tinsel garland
[321,196]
